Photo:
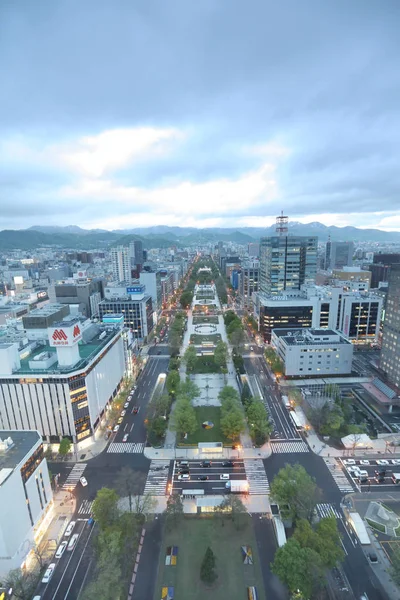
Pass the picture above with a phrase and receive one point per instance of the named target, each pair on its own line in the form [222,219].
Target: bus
[279,531]
[296,421]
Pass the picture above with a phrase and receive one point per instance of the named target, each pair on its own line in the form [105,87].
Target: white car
[395,461]
[184,477]
[349,461]
[61,549]
[126,405]
[382,461]
[49,572]
[354,470]
[364,462]
[123,413]
[116,428]
[224,476]
[125,438]
[70,528]
[72,542]
[83,481]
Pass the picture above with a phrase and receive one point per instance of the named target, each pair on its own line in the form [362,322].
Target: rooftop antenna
[282,225]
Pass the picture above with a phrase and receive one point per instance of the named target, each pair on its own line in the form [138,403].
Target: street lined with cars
[207,475]
[373,472]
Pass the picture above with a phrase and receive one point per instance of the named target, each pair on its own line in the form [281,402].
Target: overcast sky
[124,113]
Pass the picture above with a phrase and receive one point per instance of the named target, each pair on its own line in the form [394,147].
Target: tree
[221,354]
[143,504]
[174,511]
[190,358]
[130,483]
[259,424]
[157,426]
[229,316]
[294,486]
[105,507]
[232,423]
[23,583]
[329,545]
[246,395]
[189,389]
[172,382]
[207,570]
[65,446]
[299,568]
[183,417]
[228,395]
[186,299]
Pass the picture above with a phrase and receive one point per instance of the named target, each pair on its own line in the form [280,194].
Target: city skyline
[199,115]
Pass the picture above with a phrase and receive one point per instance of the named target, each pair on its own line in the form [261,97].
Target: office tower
[121,264]
[286,261]
[380,268]
[253,249]
[390,357]
[138,252]
[338,254]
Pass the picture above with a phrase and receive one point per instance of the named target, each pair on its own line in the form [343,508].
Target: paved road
[284,428]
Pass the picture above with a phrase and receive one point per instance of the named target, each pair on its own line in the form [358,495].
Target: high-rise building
[248,283]
[136,252]
[286,261]
[339,254]
[380,268]
[390,357]
[121,264]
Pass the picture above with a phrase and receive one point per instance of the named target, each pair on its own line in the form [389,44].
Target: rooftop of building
[89,348]
[23,442]
[314,337]
[47,310]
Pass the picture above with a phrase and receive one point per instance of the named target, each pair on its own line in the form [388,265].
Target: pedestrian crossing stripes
[256,476]
[327,510]
[289,447]
[74,476]
[86,507]
[157,478]
[129,448]
[338,475]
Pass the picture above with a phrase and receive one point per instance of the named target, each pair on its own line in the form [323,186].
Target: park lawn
[192,537]
[201,320]
[207,413]
[198,339]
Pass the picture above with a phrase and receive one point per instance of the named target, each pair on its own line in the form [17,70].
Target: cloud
[199,112]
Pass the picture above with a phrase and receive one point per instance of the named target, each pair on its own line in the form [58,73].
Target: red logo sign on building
[77,331]
[59,334]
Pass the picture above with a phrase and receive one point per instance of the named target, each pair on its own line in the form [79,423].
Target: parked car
[120,420]
[125,438]
[135,410]
[49,573]
[364,462]
[382,461]
[203,477]
[349,461]
[206,463]
[126,404]
[224,476]
[83,481]
[184,471]
[183,463]
[116,428]
[395,461]
[380,479]
[380,472]
[123,413]
[184,477]
[61,549]
[70,528]
[228,463]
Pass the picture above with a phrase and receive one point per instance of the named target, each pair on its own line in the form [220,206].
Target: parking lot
[367,473]
[208,475]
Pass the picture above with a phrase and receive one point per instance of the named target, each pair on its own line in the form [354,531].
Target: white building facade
[26,497]
[313,352]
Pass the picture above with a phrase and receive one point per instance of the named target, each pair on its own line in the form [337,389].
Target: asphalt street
[214,484]
[284,428]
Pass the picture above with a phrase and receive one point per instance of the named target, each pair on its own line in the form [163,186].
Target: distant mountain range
[161,236]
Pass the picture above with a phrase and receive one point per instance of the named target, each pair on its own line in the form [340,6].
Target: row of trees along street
[118,533]
[159,408]
[260,427]
[234,329]
[315,546]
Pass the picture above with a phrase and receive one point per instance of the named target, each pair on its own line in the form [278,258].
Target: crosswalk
[74,476]
[86,507]
[328,510]
[256,476]
[129,448]
[157,478]
[338,475]
[289,447]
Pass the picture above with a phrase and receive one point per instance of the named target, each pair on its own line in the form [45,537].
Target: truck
[286,402]
[359,528]
[237,486]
